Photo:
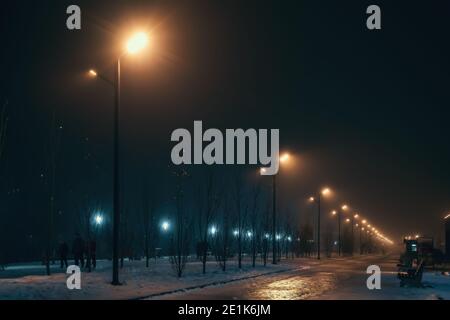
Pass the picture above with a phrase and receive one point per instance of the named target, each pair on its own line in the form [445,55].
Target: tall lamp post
[344,207]
[364,222]
[135,44]
[338,213]
[360,240]
[283,159]
[317,199]
[355,216]
[339,217]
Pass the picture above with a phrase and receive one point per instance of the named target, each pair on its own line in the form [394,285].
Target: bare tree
[209,198]
[254,218]
[179,246]
[306,239]
[55,140]
[265,227]
[148,217]
[223,238]
[328,240]
[241,211]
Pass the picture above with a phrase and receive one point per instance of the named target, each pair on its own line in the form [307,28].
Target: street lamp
[339,215]
[213,231]
[98,219]
[282,159]
[165,226]
[323,192]
[135,44]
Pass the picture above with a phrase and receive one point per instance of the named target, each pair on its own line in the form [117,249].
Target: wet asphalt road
[338,278]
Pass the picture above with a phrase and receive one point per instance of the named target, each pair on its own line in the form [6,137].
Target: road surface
[339,278]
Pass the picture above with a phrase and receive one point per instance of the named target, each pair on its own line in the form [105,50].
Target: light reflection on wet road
[311,280]
[295,288]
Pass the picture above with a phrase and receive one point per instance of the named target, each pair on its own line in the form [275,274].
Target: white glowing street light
[98,219]
[165,226]
[213,230]
[135,44]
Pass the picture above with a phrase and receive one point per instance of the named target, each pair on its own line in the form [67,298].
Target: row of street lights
[213,231]
[134,45]
[344,208]
[363,226]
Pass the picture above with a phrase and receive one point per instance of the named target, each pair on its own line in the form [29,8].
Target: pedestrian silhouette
[63,251]
[78,250]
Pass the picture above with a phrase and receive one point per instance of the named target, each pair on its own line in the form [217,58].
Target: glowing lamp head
[165,226]
[326,191]
[284,158]
[364,221]
[137,42]
[333,212]
[98,219]
[347,220]
[92,73]
[311,199]
[344,207]
[356,216]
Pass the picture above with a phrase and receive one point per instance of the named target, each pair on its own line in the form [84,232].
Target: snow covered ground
[338,278]
[138,281]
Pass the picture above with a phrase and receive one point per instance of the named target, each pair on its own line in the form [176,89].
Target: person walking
[78,250]
[63,251]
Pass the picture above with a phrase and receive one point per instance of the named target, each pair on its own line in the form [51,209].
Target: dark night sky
[365,112]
